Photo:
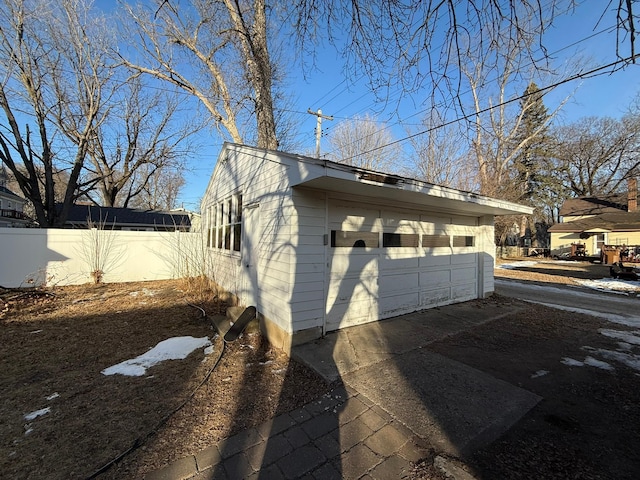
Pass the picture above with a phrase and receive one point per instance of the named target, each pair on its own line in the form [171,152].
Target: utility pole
[319,127]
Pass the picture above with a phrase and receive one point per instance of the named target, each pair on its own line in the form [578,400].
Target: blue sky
[326,89]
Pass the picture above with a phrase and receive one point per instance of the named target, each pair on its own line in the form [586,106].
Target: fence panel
[72,257]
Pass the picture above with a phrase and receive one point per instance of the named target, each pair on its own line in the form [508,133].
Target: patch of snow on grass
[38,413]
[540,373]
[176,348]
[628,359]
[627,337]
[511,266]
[572,362]
[611,285]
[593,362]
[53,395]
[145,291]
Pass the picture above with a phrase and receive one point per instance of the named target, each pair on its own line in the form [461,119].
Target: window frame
[225,225]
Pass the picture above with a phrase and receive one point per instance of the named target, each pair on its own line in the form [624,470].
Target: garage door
[384,263]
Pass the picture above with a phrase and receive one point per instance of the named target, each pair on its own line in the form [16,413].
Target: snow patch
[593,362]
[38,413]
[145,291]
[611,285]
[628,359]
[572,362]
[631,338]
[511,266]
[540,373]
[176,348]
[53,396]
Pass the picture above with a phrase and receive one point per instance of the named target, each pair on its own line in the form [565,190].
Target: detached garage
[317,246]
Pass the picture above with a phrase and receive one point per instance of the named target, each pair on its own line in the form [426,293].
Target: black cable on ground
[141,440]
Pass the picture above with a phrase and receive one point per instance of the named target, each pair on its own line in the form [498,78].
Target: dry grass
[55,345]
[553,271]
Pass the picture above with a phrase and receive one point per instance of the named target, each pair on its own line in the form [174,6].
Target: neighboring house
[317,246]
[12,209]
[598,221]
[113,218]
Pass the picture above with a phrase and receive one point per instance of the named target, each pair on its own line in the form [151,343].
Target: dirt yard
[55,345]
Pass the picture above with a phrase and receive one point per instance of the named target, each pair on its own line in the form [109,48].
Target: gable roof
[79,215]
[606,222]
[8,193]
[326,175]
[613,203]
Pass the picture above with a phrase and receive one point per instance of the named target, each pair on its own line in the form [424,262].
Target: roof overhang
[334,177]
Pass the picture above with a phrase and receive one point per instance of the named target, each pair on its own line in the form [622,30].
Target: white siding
[262,180]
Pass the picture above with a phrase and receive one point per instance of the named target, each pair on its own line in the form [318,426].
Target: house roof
[79,215]
[8,193]
[336,177]
[606,222]
[613,203]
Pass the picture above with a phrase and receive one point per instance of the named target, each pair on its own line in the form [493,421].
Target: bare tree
[159,191]
[440,154]
[141,139]
[596,155]
[55,72]
[216,51]
[496,134]
[410,44]
[364,142]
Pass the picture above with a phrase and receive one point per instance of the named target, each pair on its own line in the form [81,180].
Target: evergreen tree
[533,141]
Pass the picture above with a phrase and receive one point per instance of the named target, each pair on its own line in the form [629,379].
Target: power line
[577,76]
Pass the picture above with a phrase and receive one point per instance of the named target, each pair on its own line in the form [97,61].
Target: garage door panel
[353,265]
[435,278]
[438,296]
[397,304]
[464,292]
[434,260]
[464,258]
[399,282]
[356,312]
[348,289]
[400,263]
[461,275]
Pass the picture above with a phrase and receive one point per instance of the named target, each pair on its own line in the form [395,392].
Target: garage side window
[463,241]
[400,239]
[227,233]
[211,230]
[237,224]
[433,241]
[343,238]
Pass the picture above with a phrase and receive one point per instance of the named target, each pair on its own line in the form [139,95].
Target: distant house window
[225,232]
[463,241]
[433,241]
[342,238]
[399,239]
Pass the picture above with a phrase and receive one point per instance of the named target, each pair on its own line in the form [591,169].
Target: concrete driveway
[452,406]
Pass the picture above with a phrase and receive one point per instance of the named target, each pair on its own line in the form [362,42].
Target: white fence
[72,257]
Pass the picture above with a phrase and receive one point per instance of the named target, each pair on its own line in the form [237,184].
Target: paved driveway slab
[454,407]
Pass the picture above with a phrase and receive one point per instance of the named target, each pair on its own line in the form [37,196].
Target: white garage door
[384,263]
